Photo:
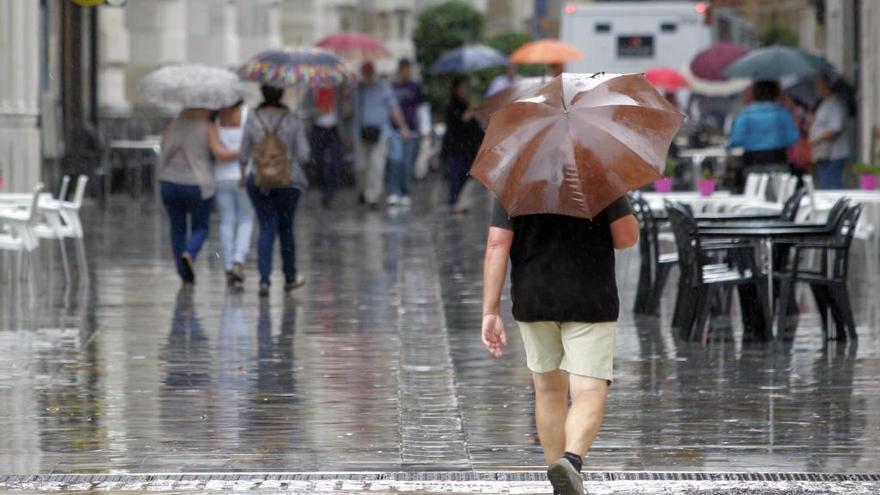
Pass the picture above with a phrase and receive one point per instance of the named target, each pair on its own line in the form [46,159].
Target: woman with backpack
[272,150]
[190,144]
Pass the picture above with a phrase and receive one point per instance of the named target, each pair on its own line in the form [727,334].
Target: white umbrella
[191,86]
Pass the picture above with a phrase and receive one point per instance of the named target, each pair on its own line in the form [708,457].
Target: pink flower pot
[706,187]
[663,185]
[868,182]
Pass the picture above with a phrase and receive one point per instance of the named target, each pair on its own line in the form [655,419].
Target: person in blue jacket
[764,129]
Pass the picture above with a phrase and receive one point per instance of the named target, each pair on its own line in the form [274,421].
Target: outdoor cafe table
[719,200]
[767,233]
[149,146]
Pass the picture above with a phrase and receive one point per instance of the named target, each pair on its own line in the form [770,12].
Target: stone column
[839,39]
[157,34]
[113,59]
[259,26]
[869,104]
[20,157]
[213,38]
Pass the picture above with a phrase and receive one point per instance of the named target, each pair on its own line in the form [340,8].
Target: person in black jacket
[461,141]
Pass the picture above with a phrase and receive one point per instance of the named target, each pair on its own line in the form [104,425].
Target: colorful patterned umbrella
[312,67]
[710,63]
[355,46]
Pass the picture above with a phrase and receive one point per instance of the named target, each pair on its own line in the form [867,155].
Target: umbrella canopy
[469,58]
[775,62]
[545,51]
[355,46]
[706,87]
[191,86]
[666,79]
[576,144]
[518,89]
[710,63]
[312,67]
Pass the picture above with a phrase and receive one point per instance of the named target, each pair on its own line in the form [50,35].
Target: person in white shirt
[829,136]
[233,204]
[503,81]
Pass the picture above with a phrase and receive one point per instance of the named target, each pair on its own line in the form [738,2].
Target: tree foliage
[445,27]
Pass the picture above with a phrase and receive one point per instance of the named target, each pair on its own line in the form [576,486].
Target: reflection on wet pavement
[377,365]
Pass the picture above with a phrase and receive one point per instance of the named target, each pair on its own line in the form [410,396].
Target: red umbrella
[711,62]
[355,46]
[666,79]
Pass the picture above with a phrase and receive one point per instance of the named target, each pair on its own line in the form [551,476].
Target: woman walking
[270,125]
[765,129]
[236,213]
[461,141]
[190,144]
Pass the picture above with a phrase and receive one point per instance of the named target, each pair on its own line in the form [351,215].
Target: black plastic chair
[828,280]
[703,280]
[654,266]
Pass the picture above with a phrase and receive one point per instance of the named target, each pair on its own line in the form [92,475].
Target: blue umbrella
[469,58]
[776,62]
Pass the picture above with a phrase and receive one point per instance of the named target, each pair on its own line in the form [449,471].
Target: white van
[623,37]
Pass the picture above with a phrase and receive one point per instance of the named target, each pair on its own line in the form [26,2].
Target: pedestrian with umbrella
[461,140]
[330,131]
[560,162]
[829,134]
[190,145]
[764,129]
[274,148]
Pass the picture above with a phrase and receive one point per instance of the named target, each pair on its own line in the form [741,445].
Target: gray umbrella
[191,86]
[775,62]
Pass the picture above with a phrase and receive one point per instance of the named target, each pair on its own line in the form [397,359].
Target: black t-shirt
[562,267]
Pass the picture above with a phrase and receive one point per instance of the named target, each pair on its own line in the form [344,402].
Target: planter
[663,185]
[706,187]
[868,182]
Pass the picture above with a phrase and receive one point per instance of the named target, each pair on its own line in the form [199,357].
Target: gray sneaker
[566,480]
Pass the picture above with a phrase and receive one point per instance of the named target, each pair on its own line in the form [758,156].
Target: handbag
[370,134]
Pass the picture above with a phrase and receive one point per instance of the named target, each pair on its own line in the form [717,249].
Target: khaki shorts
[584,349]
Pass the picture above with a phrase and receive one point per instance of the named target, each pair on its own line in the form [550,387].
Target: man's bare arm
[494,272]
[625,232]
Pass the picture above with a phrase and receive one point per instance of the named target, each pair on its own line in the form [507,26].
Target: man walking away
[375,107]
[565,302]
[402,153]
[326,140]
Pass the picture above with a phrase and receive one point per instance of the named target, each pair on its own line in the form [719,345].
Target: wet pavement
[376,365]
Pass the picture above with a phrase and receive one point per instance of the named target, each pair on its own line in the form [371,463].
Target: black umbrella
[775,62]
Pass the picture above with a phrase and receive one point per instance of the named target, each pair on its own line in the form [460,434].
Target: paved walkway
[376,365]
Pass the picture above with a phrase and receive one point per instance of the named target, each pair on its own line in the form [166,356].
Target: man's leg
[585,416]
[551,409]
[377,154]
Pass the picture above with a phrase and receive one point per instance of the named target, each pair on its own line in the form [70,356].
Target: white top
[832,115]
[326,119]
[231,139]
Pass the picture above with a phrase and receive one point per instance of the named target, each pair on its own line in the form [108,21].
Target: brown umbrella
[576,144]
[494,102]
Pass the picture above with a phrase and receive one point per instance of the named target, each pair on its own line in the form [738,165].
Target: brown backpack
[271,163]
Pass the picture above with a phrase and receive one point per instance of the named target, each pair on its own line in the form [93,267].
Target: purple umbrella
[711,62]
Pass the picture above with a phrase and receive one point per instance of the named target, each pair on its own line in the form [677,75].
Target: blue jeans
[830,173]
[402,156]
[236,222]
[276,209]
[184,203]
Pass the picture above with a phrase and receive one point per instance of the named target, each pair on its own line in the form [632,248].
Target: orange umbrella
[545,51]
[576,144]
